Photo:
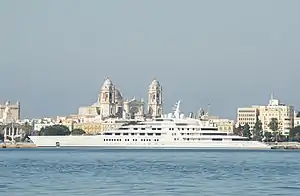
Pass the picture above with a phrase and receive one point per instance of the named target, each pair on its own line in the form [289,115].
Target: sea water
[94,171]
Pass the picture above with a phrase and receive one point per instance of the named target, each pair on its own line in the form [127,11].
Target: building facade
[296,120]
[282,112]
[155,104]
[226,125]
[111,104]
[10,111]
[247,116]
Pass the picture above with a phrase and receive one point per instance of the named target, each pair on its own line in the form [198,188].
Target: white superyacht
[171,131]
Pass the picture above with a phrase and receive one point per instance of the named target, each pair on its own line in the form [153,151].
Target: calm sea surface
[65,171]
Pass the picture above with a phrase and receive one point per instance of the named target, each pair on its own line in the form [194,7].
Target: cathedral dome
[107,83]
[154,83]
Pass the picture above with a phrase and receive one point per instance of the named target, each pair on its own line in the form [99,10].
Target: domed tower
[155,105]
[107,98]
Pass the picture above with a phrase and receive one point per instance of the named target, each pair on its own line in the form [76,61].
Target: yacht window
[181,124]
[117,133]
[158,128]
[209,129]
[216,133]
[157,133]
[142,133]
[125,133]
[143,128]
[107,133]
[240,139]
[135,128]
[150,133]
[153,128]
[217,139]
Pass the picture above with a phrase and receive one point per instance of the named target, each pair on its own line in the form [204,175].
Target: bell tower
[155,104]
[107,98]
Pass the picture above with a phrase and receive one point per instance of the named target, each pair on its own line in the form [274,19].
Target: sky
[55,55]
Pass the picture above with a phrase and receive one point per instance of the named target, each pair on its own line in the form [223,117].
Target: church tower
[107,99]
[155,105]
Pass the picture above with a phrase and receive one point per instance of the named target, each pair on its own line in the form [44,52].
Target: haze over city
[55,55]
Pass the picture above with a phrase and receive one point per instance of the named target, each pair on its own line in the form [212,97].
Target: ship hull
[98,141]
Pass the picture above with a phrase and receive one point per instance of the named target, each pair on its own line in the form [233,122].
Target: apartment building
[247,116]
[282,112]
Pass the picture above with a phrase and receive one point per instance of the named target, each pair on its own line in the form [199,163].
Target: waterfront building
[42,123]
[282,112]
[247,115]
[10,111]
[94,128]
[296,119]
[226,125]
[10,128]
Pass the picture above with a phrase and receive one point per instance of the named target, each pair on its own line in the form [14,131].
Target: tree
[246,131]
[268,136]
[237,130]
[294,134]
[273,125]
[257,131]
[298,114]
[55,130]
[27,128]
[77,132]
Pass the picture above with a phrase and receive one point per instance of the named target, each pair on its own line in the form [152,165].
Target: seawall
[18,145]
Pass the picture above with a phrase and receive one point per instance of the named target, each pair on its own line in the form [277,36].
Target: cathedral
[111,104]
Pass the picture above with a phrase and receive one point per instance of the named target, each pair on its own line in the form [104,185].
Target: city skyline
[227,54]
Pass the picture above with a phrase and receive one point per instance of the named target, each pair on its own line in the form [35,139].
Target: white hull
[98,141]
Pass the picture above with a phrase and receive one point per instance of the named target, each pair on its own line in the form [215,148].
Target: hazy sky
[54,55]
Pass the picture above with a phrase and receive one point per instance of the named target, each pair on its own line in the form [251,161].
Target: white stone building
[10,111]
[296,120]
[111,104]
[155,104]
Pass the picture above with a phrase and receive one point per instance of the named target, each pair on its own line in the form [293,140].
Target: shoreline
[18,145]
